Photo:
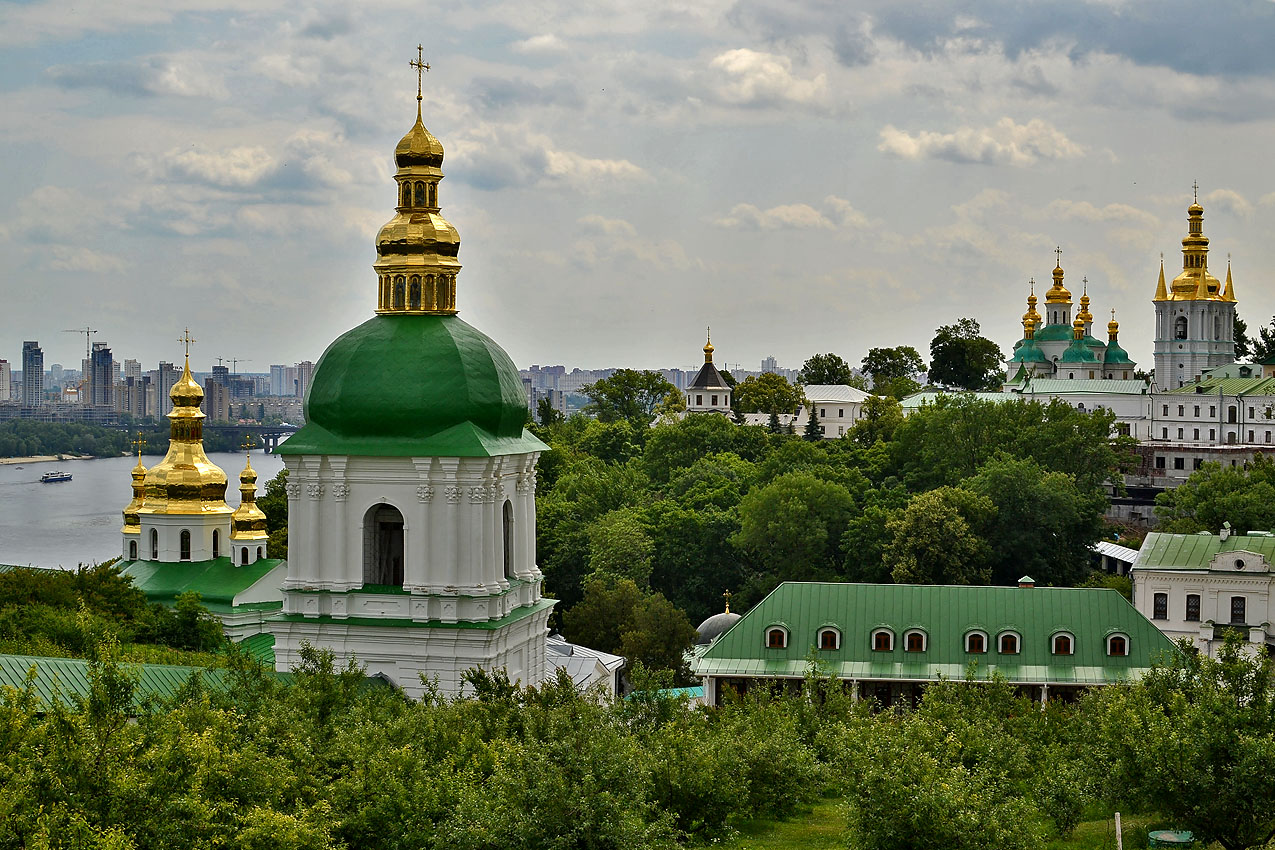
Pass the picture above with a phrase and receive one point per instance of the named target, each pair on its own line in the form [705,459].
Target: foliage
[1214,494]
[793,526]
[1194,739]
[1262,347]
[616,616]
[942,538]
[621,547]
[895,371]
[23,438]
[826,369]
[880,418]
[767,393]
[546,413]
[1243,344]
[812,431]
[628,394]
[960,357]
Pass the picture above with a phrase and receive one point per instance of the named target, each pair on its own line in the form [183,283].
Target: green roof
[1229,386]
[915,400]
[946,614]
[1028,352]
[1078,352]
[261,647]
[1064,386]
[218,581]
[414,386]
[64,677]
[1054,333]
[1116,356]
[1163,551]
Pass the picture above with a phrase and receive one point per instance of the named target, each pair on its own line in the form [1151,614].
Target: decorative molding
[425,493]
[293,489]
[526,483]
[315,491]
[477,495]
[453,495]
[340,491]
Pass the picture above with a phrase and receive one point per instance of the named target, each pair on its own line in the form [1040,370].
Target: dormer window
[1008,643]
[776,637]
[1064,644]
[882,640]
[829,639]
[1117,645]
[914,641]
[976,643]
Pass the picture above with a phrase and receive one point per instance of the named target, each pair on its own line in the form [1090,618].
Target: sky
[804,176]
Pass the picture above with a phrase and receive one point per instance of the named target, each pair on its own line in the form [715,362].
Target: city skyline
[801,177]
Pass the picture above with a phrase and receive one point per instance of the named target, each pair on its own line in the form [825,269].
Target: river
[78,521]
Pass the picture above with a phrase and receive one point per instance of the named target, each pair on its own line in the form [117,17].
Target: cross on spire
[1195,189]
[139,443]
[727,596]
[248,443]
[187,339]
[1058,252]
[421,66]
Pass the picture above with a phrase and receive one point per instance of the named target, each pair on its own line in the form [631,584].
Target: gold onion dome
[419,147]
[1113,327]
[248,522]
[132,518]
[185,481]
[1031,313]
[708,350]
[1058,293]
[1194,283]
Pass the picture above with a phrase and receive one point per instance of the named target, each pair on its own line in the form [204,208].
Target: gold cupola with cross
[1195,282]
[132,520]
[416,251]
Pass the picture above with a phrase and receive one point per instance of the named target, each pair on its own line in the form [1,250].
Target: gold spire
[727,596]
[1058,293]
[132,521]
[185,481]
[708,347]
[248,522]
[1078,329]
[1113,327]
[416,251]
[1031,305]
[1229,293]
[1084,315]
[1161,293]
[1029,327]
[1195,283]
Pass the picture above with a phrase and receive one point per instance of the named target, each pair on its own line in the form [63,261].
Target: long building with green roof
[887,641]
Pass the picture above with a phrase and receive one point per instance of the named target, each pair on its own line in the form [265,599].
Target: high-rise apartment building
[132,369]
[32,374]
[6,379]
[277,386]
[305,371]
[166,377]
[102,376]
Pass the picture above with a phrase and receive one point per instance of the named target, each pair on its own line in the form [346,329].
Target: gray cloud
[144,77]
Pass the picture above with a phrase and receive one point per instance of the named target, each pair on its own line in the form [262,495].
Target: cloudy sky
[803,175]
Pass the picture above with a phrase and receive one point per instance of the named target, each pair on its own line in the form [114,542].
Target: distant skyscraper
[277,374]
[6,379]
[290,381]
[769,364]
[166,378]
[132,369]
[32,374]
[305,370]
[102,376]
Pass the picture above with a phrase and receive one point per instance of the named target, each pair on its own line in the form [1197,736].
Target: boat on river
[54,477]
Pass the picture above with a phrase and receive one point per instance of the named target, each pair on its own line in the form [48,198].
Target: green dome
[1054,333]
[405,386]
[1116,356]
[1078,352]
[1028,352]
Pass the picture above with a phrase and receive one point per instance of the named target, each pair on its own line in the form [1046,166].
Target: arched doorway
[216,543]
[508,514]
[383,546]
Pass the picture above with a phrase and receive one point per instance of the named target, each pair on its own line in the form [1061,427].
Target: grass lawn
[823,828]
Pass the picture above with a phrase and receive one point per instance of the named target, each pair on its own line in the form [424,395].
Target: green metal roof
[915,400]
[1228,386]
[218,581]
[64,677]
[1054,333]
[261,647]
[1063,386]
[1163,551]
[1078,352]
[413,386]
[946,614]
[1116,356]
[1028,352]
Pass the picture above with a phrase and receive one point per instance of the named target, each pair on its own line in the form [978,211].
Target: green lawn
[823,828]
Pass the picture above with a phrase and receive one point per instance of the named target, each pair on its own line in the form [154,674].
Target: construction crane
[234,363]
[88,357]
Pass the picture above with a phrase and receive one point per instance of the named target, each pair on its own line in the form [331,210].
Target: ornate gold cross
[1058,251]
[139,444]
[1195,188]
[726,595]
[248,443]
[187,339]
[421,66]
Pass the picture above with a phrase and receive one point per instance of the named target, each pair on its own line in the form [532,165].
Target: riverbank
[11,461]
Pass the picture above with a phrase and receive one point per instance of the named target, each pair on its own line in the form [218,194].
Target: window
[822,413]
[261,553]
[1179,433]
[914,641]
[243,556]
[507,515]
[841,412]
[776,637]
[829,639]
[1193,607]
[1212,411]
[976,642]
[420,194]
[1212,434]
[1164,433]
[882,640]
[154,544]
[1008,643]
[1250,436]
[1250,413]
[1231,414]
[185,545]
[216,543]
[1063,644]
[1197,410]
[1160,606]
[699,401]
[1179,327]
[1166,410]
[1159,461]
[1195,434]
[1117,645]
[132,550]
[1237,609]
[714,401]
[1179,463]
[1181,410]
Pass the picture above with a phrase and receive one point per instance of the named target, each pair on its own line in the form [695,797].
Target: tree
[894,371]
[941,538]
[627,394]
[960,357]
[1194,740]
[546,413]
[793,525]
[825,369]
[881,416]
[1263,347]
[813,432]
[1243,345]
[1214,494]
[767,393]
[616,616]
[621,547]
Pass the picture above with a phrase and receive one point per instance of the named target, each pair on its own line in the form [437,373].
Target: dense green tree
[867,536]
[961,357]
[1194,739]
[767,393]
[895,371]
[546,413]
[628,394]
[695,560]
[1214,494]
[793,526]
[1243,345]
[812,432]
[881,417]
[620,546]
[941,538]
[677,446]
[615,442]
[1262,347]
[826,369]
[617,616]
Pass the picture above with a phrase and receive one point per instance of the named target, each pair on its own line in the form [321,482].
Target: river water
[78,521]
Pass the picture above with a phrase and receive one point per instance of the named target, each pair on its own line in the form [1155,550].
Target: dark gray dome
[715,625]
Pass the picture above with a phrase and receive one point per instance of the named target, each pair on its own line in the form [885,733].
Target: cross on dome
[187,339]
[421,66]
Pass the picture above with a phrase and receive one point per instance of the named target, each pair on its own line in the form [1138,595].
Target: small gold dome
[248,522]
[132,518]
[708,350]
[185,481]
[1058,294]
[419,147]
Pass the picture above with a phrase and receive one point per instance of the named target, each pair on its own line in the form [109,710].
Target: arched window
[508,515]
[243,556]
[776,637]
[1117,645]
[914,640]
[132,550]
[1179,327]
[1008,642]
[1064,644]
[414,293]
[829,639]
[216,543]
[420,194]
[882,640]
[261,552]
[383,546]
[976,642]
[407,195]
[154,544]
[400,284]
[185,545]
[433,194]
